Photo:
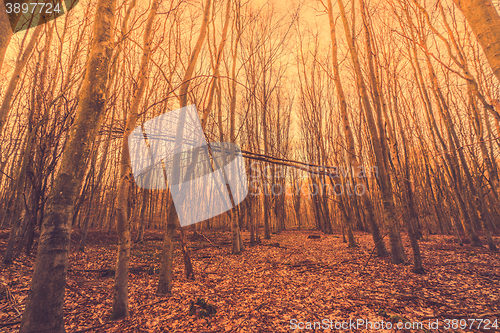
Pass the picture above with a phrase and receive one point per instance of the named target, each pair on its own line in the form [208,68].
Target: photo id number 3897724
[462,324]
[32,8]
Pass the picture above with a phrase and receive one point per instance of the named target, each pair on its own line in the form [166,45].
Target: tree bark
[484,21]
[44,308]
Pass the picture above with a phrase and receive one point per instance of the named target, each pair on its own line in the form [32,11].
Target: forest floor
[263,289]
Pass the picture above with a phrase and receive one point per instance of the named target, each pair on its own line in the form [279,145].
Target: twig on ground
[10,324]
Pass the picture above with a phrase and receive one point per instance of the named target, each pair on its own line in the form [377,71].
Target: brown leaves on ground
[287,277]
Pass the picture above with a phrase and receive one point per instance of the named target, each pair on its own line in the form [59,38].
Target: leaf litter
[288,277]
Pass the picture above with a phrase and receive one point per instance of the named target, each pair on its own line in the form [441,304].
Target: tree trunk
[186,255]
[397,251]
[21,63]
[186,81]
[165,277]
[484,20]
[44,308]
[351,151]
[120,298]
[142,219]
[5,32]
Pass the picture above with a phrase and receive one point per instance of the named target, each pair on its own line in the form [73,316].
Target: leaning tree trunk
[397,251]
[5,32]
[351,150]
[408,199]
[484,21]
[44,308]
[386,186]
[16,76]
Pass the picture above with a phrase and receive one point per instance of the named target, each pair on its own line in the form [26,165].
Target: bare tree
[165,279]
[120,299]
[44,309]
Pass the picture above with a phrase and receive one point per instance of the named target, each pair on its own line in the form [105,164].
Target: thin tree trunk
[142,220]
[14,80]
[186,255]
[165,277]
[183,98]
[120,298]
[351,151]
[397,251]
[13,212]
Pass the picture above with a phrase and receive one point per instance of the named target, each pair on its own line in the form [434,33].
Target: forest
[249,165]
